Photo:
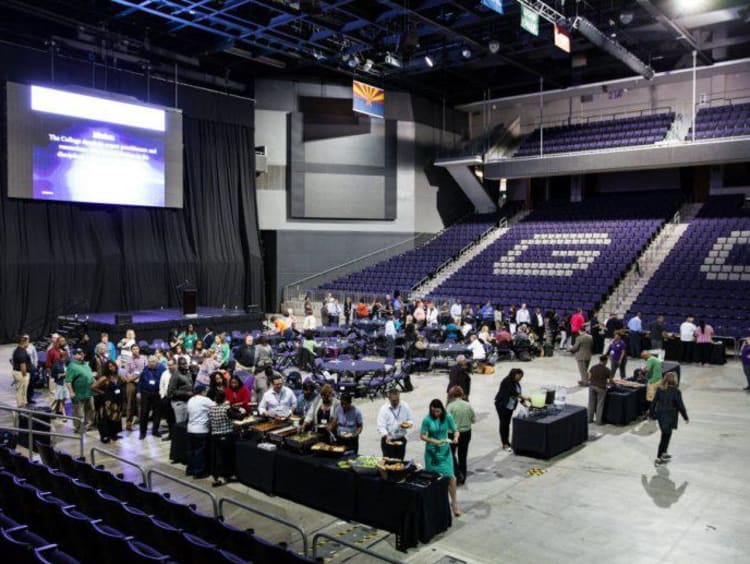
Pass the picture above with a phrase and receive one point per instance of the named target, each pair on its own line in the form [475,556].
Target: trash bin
[41,422]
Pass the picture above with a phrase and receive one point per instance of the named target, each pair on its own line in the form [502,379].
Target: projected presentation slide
[83,148]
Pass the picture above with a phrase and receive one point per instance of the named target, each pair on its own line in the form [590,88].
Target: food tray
[249,420]
[268,426]
[366,465]
[395,470]
[323,449]
[303,442]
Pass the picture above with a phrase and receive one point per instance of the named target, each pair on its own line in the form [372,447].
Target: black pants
[704,352]
[688,351]
[165,410]
[351,443]
[222,456]
[664,442]
[149,409]
[622,364]
[197,455]
[394,451]
[460,453]
[505,416]
[634,344]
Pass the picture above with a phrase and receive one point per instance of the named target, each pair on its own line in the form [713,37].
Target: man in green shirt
[78,380]
[464,416]
[652,369]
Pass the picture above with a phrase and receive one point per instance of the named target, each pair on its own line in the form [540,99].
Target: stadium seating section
[563,257]
[641,130]
[722,121]
[66,511]
[403,271]
[707,273]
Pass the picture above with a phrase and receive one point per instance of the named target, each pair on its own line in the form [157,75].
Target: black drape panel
[60,258]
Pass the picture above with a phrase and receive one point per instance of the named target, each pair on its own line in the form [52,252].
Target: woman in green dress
[437,452]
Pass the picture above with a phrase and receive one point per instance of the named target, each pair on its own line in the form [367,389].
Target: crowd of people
[206,381]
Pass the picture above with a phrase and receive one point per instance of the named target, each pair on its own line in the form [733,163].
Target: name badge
[152,382]
[117,391]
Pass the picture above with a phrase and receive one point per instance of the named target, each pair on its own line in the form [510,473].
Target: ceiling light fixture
[494,46]
[466,53]
[392,60]
[428,60]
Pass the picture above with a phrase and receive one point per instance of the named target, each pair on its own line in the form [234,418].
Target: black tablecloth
[545,437]
[624,405]
[415,514]
[673,351]
[256,467]
[178,446]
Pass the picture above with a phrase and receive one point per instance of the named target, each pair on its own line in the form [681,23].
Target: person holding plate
[437,451]
[394,421]
[346,425]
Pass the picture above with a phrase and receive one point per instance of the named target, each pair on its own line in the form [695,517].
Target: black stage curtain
[60,258]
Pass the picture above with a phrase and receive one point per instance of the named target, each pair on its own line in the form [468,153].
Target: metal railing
[149,483]
[123,460]
[366,551]
[567,119]
[32,417]
[224,501]
[297,289]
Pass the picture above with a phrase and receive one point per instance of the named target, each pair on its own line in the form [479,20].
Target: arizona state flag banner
[367,99]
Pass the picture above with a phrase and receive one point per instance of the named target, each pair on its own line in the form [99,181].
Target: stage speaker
[123,319]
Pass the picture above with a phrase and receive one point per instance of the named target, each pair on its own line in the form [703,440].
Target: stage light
[494,46]
[353,62]
[690,6]
[368,65]
[466,53]
[392,60]
[626,18]
[429,61]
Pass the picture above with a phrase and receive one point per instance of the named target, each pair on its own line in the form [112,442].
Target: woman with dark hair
[197,353]
[222,441]
[237,393]
[108,399]
[347,309]
[506,400]
[665,407]
[704,335]
[438,458]
[216,385]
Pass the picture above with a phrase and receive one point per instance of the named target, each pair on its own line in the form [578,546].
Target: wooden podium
[189,300]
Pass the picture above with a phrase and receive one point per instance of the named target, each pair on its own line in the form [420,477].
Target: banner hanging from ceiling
[368,99]
[529,20]
[496,5]
[562,38]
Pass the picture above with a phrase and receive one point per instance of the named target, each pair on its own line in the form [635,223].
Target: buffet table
[415,514]
[549,435]
[624,405]
[673,351]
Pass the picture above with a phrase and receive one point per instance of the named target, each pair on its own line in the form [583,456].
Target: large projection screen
[91,147]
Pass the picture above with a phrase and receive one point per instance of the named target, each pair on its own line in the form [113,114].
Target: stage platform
[152,324]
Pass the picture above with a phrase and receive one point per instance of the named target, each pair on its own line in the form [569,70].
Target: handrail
[286,292]
[32,417]
[338,540]
[567,119]
[123,460]
[270,516]
[149,483]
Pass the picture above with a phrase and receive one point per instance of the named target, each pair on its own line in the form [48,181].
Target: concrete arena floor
[604,501]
